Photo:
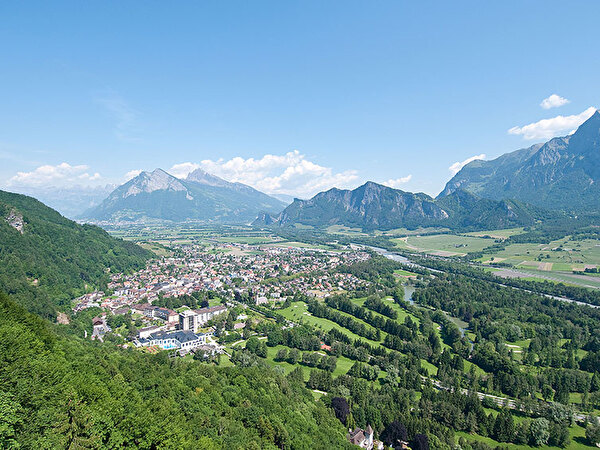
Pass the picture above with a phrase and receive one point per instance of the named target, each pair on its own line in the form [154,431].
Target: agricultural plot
[444,244]
[497,234]
[563,255]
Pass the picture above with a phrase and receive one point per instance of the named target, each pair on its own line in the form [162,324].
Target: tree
[294,356]
[296,375]
[341,408]
[420,442]
[504,427]
[595,383]
[394,432]
[282,354]
[10,420]
[559,435]
[592,432]
[539,432]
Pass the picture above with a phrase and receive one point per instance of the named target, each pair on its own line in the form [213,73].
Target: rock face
[370,205]
[373,206]
[562,174]
[158,195]
[15,220]
[159,180]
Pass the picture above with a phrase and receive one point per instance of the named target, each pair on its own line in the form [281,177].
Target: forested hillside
[46,259]
[62,392]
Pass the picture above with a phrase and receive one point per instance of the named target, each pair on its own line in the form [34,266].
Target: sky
[289,97]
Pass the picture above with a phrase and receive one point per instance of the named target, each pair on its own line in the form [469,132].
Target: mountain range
[562,174]
[374,206]
[199,197]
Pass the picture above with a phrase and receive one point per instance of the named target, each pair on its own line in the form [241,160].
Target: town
[221,273]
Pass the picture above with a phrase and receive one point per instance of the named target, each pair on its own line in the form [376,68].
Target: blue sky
[292,97]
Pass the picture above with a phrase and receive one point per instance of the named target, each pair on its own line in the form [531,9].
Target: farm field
[497,234]
[444,244]
[560,255]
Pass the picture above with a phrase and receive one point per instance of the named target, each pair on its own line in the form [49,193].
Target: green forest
[55,259]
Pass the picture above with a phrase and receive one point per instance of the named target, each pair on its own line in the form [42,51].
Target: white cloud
[62,174]
[554,101]
[454,168]
[397,182]
[132,174]
[555,126]
[182,170]
[290,174]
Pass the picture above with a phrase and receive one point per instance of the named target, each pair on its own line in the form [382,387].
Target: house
[188,320]
[325,347]
[100,328]
[168,315]
[261,300]
[206,314]
[182,340]
[143,308]
[146,332]
[364,439]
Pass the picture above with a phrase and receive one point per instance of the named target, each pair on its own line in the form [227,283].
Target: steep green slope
[61,392]
[46,259]
[468,211]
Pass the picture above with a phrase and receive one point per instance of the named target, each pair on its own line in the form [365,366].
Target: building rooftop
[182,336]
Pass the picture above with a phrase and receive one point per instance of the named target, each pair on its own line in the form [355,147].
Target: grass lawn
[576,432]
[404,273]
[297,312]
[343,363]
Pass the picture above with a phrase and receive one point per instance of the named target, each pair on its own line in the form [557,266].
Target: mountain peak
[590,126]
[160,172]
[562,173]
[203,177]
[156,180]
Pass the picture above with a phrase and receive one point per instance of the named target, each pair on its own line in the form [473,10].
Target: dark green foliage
[340,408]
[504,427]
[55,259]
[467,211]
[60,392]
[546,287]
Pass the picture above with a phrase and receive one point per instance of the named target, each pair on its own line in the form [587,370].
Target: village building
[182,340]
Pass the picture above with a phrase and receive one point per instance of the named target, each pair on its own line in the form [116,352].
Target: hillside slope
[46,259]
[59,391]
[562,174]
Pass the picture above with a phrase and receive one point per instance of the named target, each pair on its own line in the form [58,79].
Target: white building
[183,340]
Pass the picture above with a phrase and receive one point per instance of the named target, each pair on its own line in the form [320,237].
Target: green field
[560,255]
[443,244]
[576,432]
[498,234]
[297,312]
